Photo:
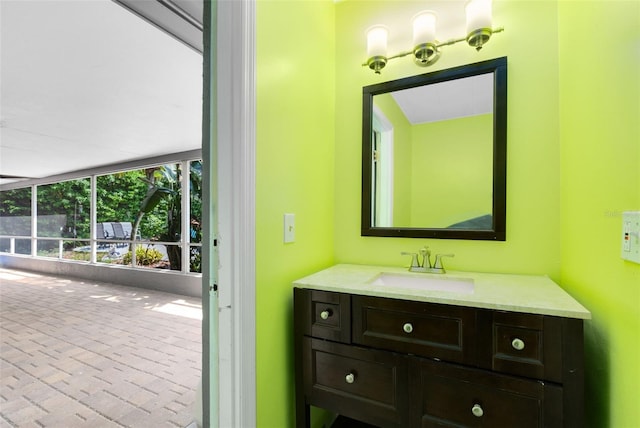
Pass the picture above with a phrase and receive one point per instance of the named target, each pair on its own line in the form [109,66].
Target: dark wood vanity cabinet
[399,363]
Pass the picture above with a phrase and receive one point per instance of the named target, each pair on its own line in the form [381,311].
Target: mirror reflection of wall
[440,171]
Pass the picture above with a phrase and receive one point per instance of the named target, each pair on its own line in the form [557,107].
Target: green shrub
[144,256]
[73,255]
[195,260]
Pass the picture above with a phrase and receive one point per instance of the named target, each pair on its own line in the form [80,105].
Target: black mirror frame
[496,66]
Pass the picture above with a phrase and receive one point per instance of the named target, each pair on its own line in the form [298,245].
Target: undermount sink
[424,282]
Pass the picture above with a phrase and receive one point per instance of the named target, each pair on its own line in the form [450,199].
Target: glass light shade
[479,15]
[424,27]
[377,41]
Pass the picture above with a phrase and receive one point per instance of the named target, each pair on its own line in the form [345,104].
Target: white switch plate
[631,236]
[289,228]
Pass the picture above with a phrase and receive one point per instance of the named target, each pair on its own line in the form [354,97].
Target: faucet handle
[414,258]
[438,264]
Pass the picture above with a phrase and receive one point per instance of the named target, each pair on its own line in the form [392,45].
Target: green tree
[71,199]
[16,203]
[164,191]
[15,218]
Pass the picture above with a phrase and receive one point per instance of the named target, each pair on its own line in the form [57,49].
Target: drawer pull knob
[408,328]
[350,378]
[518,344]
[477,410]
[325,314]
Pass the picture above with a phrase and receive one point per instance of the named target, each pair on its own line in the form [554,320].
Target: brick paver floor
[77,353]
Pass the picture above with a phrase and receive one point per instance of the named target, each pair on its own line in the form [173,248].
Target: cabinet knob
[408,328]
[518,344]
[477,410]
[325,314]
[350,378]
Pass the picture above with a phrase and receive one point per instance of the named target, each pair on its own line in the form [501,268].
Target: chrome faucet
[423,263]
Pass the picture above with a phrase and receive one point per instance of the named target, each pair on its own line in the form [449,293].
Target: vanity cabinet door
[527,345]
[425,329]
[364,384]
[323,314]
[454,396]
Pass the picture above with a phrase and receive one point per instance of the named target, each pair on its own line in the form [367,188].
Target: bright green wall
[573,162]
[295,174]
[465,142]
[600,140]
[533,161]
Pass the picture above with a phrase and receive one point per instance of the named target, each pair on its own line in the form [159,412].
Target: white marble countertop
[518,293]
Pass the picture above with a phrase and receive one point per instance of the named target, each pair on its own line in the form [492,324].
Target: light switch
[631,236]
[289,228]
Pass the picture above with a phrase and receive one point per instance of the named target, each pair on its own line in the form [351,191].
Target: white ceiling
[88,83]
[452,99]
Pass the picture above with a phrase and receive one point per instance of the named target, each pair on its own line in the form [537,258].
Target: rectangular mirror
[434,154]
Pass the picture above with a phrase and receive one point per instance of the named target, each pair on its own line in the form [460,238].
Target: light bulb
[478,15]
[424,27]
[377,41]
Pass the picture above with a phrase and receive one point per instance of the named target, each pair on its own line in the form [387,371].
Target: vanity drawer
[323,314]
[369,385]
[527,345]
[426,329]
[450,395]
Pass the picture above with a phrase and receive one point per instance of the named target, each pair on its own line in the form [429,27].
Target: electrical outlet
[631,236]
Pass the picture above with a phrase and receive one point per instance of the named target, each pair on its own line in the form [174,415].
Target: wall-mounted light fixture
[426,49]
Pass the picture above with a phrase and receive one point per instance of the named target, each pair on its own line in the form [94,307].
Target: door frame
[229,279]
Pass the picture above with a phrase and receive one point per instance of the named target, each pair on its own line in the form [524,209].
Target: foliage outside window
[155,199]
[195,226]
[63,211]
[15,219]
[118,199]
[145,203]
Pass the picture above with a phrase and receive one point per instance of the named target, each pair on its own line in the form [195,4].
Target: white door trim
[235,83]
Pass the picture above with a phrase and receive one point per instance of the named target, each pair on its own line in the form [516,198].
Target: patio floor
[76,353]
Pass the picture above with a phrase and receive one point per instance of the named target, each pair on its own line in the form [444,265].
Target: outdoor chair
[108,231]
[103,231]
[119,233]
[128,228]
[100,233]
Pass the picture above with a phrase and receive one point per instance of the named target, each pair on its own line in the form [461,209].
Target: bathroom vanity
[412,352]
